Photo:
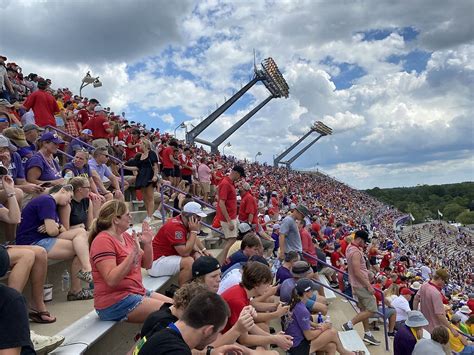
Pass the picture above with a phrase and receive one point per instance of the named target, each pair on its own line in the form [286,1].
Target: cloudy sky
[394,79]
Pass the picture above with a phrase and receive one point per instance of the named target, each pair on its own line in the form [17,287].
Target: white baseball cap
[194,208]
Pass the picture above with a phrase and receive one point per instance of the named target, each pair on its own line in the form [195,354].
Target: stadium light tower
[279,158]
[270,76]
[320,128]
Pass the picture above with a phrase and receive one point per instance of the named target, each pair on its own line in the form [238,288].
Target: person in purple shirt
[40,226]
[309,337]
[409,333]
[251,245]
[42,168]
[284,271]
[82,142]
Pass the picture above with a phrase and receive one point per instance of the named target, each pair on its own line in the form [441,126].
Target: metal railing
[165,206]
[382,314]
[91,147]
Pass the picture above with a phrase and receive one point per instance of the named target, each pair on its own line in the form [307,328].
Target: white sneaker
[45,344]
[147,220]
[157,214]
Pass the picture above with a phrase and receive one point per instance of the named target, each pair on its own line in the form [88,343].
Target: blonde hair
[146,143]
[107,213]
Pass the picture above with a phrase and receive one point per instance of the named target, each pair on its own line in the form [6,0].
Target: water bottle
[66,281]
[328,319]
[320,318]
[69,175]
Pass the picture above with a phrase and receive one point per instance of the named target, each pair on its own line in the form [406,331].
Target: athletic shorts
[229,234]
[165,266]
[46,243]
[365,300]
[168,172]
[188,178]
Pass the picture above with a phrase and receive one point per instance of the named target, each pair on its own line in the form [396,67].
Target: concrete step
[352,341]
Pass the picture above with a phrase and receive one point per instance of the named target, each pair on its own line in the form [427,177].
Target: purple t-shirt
[33,215]
[16,170]
[84,172]
[282,274]
[48,173]
[286,289]
[298,320]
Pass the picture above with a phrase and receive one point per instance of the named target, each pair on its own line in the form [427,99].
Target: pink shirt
[204,173]
[431,304]
[106,247]
[355,252]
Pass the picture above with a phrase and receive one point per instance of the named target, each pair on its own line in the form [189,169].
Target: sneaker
[85,276]
[84,294]
[371,340]
[345,327]
[391,334]
[147,220]
[157,214]
[203,234]
[44,344]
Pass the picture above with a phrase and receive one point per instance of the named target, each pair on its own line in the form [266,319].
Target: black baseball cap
[304,285]
[240,170]
[363,235]
[204,265]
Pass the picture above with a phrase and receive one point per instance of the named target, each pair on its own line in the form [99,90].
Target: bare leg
[185,272]
[328,337]
[319,307]
[363,317]
[148,199]
[76,284]
[391,322]
[148,305]
[80,245]
[21,261]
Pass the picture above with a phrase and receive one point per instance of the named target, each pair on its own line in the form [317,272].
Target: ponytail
[295,299]
[107,213]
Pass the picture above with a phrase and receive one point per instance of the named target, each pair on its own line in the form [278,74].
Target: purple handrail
[117,160]
[345,296]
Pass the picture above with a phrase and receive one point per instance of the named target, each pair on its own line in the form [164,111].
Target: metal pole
[192,134]
[277,160]
[297,155]
[219,140]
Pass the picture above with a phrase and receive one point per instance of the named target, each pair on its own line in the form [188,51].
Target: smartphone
[46,184]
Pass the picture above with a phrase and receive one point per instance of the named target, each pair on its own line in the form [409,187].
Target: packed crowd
[276,224]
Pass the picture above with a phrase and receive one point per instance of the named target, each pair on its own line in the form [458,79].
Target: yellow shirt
[455,342]
[60,105]
[235,247]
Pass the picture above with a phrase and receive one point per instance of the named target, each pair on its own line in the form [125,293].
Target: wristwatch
[11,194]
[209,349]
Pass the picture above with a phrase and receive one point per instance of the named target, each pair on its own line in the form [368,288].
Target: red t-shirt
[172,233]
[343,246]
[470,304]
[248,205]
[184,160]
[167,162]
[229,195]
[216,177]
[105,247]
[308,246]
[316,227]
[84,116]
[335,259]
[236,298]
[130,152]
[385,260]
[98,127]
[44,107]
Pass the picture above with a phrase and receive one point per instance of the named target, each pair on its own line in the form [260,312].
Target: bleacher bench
[328,293]
[351,341]
[89,329]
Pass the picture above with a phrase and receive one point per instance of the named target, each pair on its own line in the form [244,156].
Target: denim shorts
[120,310]
[47,243]
[310,303]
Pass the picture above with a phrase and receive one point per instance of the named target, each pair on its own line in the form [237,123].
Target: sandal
[85,276]
[38,316]
[84,294]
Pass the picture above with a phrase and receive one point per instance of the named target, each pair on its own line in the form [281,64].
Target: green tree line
[455,201]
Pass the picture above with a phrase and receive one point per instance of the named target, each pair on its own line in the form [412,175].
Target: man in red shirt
[226,212]
[186,162]
[99,125]
[169,162]
[176,243]
[248,210]
[133,144]
[256,279]
[386,259]
[87,113]
[43,104]
[216,178]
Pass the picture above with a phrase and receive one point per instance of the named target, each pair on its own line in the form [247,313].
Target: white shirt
[402,307]
[232,278]
[464,317]
[425,272]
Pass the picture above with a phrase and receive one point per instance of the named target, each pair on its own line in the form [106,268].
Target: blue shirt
[237,257]
[102,169]
[33,215]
